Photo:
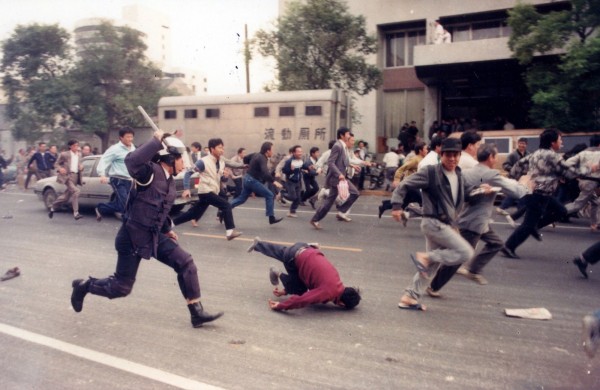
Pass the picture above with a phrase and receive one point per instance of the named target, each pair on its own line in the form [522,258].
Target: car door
[92,191]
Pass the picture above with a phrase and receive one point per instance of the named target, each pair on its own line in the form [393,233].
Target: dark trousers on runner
[198,209]
[291,281]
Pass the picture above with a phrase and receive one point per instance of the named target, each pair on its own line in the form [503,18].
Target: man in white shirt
[433,157]
[470,143]
[438,33]
[391,161]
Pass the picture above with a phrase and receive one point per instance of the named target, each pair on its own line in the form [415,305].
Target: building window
[261,111]
[190,114]
[212,113]
[287,111]
[343,114]
[400,46]
[486,29]
[313,111]
[170,114]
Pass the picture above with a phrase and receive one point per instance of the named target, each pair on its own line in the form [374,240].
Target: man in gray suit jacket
[338,165]
[474,220]
[69,168]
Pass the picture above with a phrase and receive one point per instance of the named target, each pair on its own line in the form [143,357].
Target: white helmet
[172,150]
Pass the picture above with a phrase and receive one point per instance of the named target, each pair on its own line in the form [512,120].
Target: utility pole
[247,57]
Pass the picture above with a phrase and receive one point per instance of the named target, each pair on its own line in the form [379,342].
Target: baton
[147,118]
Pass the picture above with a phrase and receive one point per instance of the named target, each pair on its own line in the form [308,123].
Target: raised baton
[147,118]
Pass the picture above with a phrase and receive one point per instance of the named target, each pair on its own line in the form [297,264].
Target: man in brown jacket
[69,168]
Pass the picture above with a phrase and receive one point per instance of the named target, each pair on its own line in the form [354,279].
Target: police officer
[146,230]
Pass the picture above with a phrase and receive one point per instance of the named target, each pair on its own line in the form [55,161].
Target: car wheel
[49,197]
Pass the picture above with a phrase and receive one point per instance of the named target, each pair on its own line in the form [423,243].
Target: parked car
[94,192]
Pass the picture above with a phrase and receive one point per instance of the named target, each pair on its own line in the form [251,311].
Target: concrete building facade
[472,78]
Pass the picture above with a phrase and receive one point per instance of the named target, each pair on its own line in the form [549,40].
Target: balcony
[458,52]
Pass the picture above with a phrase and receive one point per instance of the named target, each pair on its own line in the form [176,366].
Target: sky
[206,34]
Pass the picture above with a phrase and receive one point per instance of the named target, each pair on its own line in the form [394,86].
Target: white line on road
[107,360]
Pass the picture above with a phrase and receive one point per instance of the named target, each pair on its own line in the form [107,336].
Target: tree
[564,89]
[34,65]
[111,79]
[318,44]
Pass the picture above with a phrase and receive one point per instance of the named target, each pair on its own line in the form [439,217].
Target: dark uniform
[143,235]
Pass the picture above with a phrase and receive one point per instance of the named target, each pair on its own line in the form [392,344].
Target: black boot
[80,289]
[273,220]
[199,317]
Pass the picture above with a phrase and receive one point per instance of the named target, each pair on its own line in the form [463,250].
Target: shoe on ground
[432,293]
[343,217]
[50,213]
[381,210]
[292,215]
[199,316]
[11,273]
[98,215]
[273,220]
[591,334]
[510,221]
[474,277]
[233,235]
[77,216]
[254,243]
[316,225]
[506,252]
[273,276]
[582,266]
[80,290]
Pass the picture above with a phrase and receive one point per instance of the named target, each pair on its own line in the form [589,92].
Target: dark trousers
[121,188]
[291,281]
[493,244]
[239,184]
[330,200]
[294,193]
[592,254]
[411,197]
[169,253]
[39,174]
[311,187]
[204,200]
[535,206]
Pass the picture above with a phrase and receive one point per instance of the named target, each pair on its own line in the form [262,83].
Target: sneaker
[432,293]
[316,225]
[273,220]
[404,217]
[50,213]
[77,216]
[591,334]
[506,252]
[474,277]
[273,276]
[98,215]
[254,243]
[233,235]
[343,217]
[292,215]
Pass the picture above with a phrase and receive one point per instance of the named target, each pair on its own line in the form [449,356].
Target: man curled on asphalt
[146,229]
[310,277]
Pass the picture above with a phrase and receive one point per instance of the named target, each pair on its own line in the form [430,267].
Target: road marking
[337,248]
[107,360]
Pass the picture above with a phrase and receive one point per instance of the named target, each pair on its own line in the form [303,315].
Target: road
[463,341]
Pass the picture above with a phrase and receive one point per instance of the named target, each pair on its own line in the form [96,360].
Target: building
[473,77]
[156,34]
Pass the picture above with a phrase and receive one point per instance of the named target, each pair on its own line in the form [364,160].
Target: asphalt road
[463,341]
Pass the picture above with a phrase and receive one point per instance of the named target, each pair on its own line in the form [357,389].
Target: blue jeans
[121,187]
[251,185]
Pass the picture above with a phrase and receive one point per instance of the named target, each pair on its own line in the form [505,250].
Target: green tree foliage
[35,62]
[564,89]
[97,92]
[318,44]
[111,79]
